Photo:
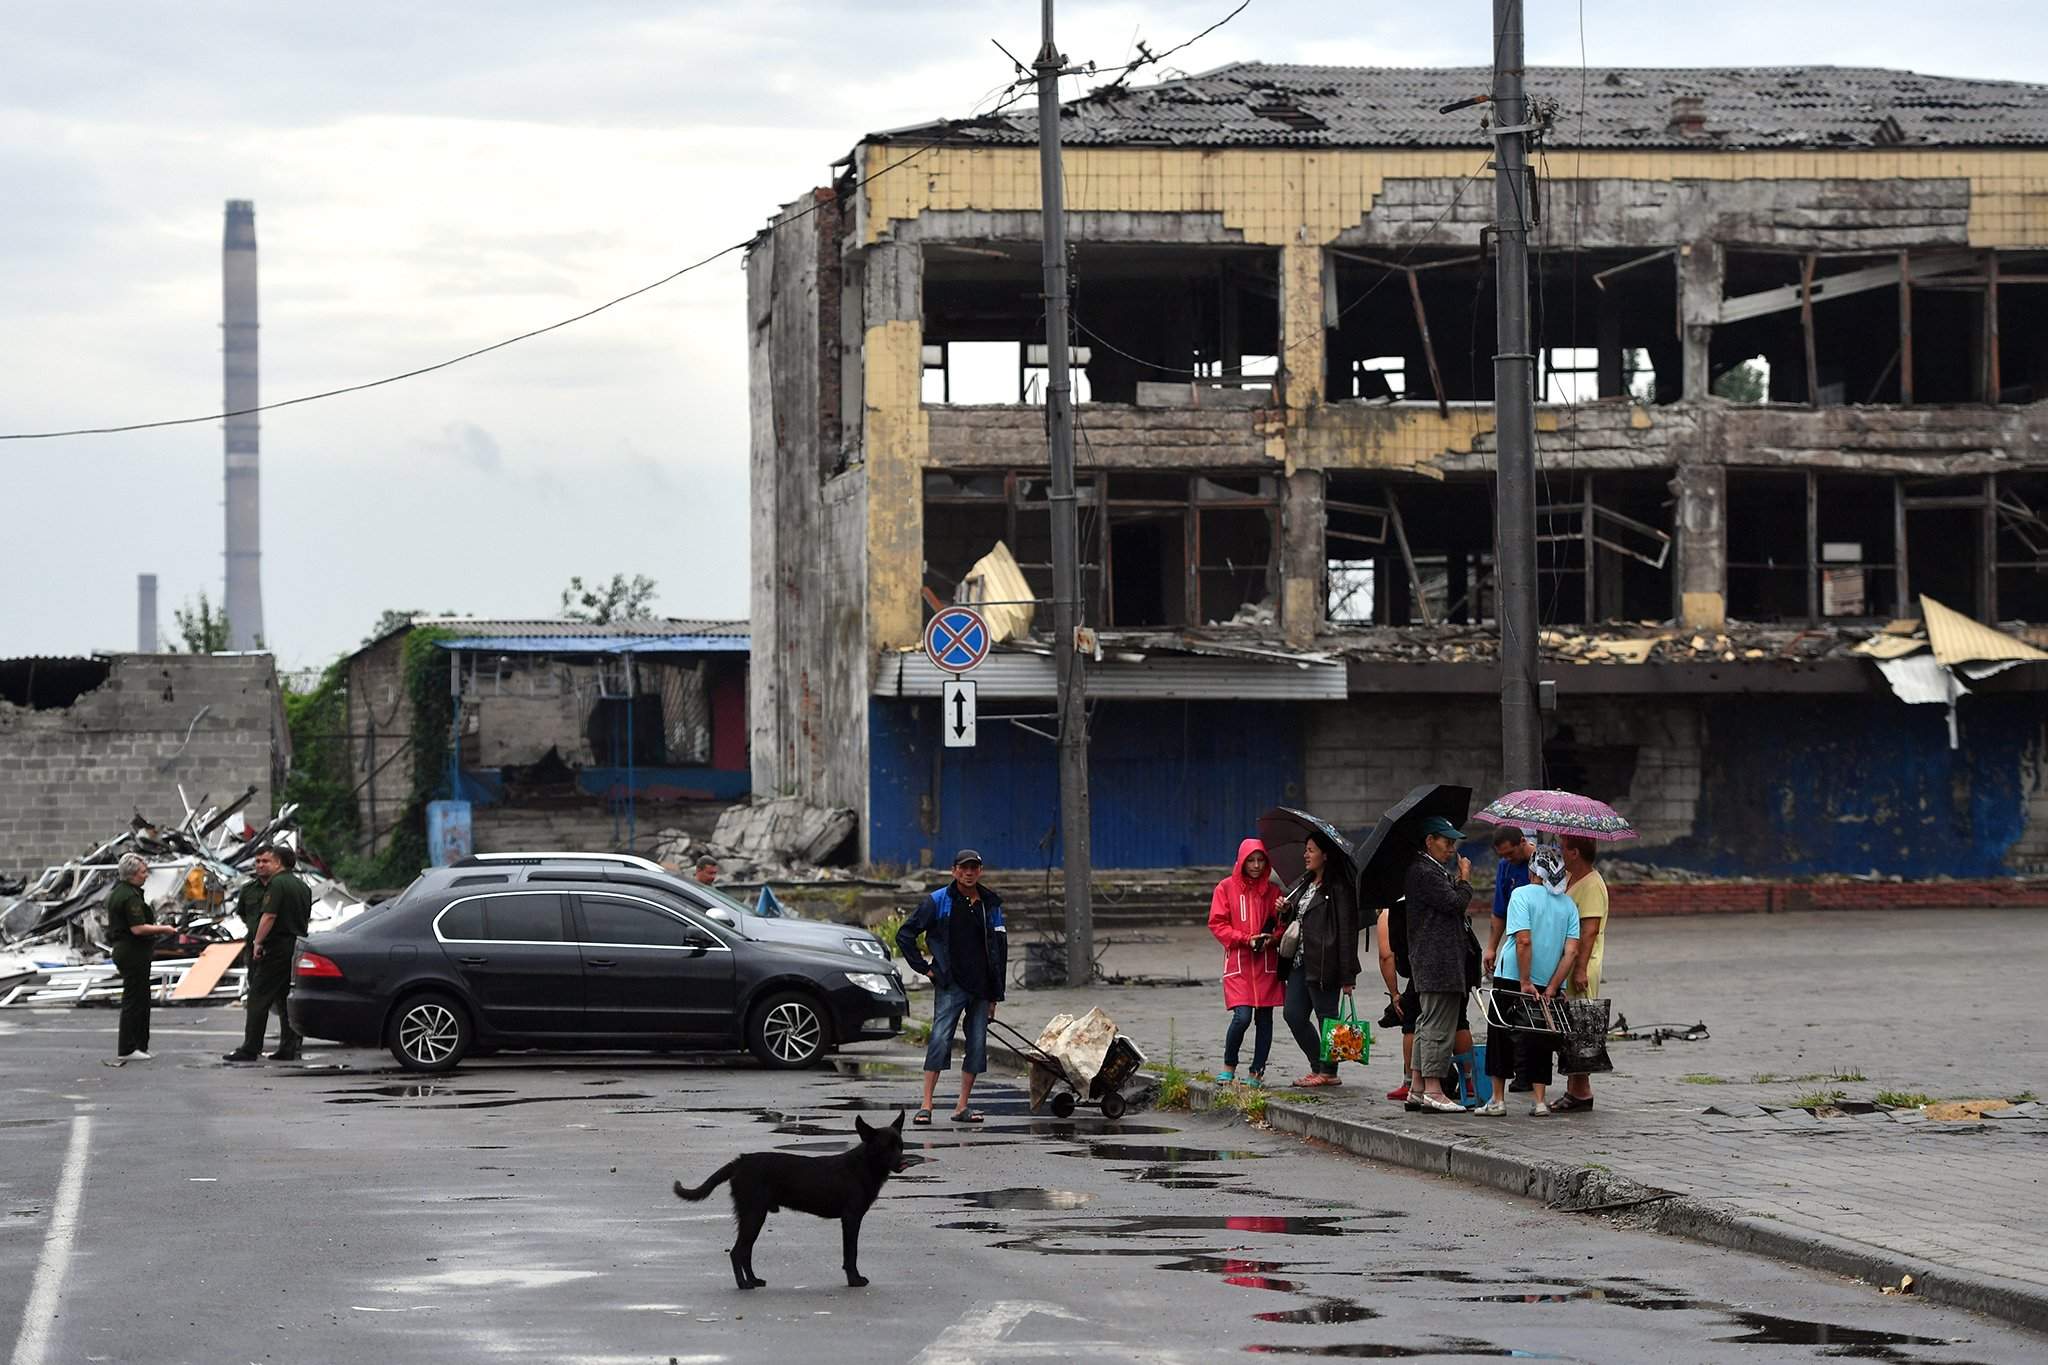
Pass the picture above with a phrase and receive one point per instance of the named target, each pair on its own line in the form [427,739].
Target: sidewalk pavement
[1701,1138]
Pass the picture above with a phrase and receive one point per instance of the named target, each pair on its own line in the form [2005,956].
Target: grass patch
[917,1031]
[1764,1078]
[1701,1078]
[1820,1099]
[1599,1166]
[1173,1078]
[1810,1078]
[1904,1099]
[2025,1097]
[1248,1102]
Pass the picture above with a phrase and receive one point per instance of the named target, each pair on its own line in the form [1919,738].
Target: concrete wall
[380,726]
[810,525]
[73,777]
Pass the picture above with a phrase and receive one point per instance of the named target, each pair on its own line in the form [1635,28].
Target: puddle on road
[1160,1155]
[1377,1350]
[1067,1128]
[1032,1200]
[1239,1271]
[419,1090]
[1326,1312]
[383,1093]
[848,1066]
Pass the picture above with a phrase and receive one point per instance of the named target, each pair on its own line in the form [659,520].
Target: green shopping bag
[1347,1038]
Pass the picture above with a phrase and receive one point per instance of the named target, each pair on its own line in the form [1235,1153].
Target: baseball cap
[1436,824]
[966,855]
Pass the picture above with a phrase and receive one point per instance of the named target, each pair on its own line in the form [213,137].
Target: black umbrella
[1384,856]
[1284,831]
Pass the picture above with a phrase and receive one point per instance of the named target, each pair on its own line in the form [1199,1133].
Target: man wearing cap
[1437,894]
[962,925]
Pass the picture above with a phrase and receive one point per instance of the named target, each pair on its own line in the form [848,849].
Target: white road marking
[33,1345]
[978,1336]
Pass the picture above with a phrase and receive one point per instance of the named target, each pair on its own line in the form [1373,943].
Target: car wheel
[429,1033]
[789,1030]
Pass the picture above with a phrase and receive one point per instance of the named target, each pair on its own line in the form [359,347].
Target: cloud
[473,446]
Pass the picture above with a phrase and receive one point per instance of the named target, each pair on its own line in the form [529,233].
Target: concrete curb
[1580,1189]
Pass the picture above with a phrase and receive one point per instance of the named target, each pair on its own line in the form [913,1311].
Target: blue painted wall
[1794,786]
[1171,783]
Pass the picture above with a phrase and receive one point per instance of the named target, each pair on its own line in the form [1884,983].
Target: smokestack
[243,600]
[145,613]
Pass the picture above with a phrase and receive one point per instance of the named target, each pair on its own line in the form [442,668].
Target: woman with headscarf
[1324,963]
[1241,916]
[1540,942]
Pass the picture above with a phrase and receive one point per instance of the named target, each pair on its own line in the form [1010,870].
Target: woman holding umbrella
[1324,963]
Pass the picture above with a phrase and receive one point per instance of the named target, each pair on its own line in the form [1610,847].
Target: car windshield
[732,903]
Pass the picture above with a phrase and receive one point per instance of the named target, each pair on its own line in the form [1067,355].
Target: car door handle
[600,962]
[472,961]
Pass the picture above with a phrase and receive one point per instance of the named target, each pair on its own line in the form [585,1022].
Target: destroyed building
[1792,365]
[569,734]
[86,743]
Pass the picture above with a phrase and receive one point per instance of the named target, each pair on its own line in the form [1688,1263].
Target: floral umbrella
[1556,812]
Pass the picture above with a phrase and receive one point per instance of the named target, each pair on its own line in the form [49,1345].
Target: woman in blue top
[1540,942]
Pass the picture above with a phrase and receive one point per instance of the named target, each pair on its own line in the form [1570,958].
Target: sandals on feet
[1571,1104]
[966,1116]
[922,1118]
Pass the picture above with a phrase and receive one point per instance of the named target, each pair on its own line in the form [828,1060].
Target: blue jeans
[948,1007]
[1241,1018]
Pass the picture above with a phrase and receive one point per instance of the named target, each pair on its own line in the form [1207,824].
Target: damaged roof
[556,627]
[1260,104]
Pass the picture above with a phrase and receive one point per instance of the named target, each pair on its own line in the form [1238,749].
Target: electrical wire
[720,254]
[1012,88]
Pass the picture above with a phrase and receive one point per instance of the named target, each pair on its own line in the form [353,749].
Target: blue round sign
[957,639]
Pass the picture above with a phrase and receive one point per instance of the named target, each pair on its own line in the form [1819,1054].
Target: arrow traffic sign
[958,713]
[957,639]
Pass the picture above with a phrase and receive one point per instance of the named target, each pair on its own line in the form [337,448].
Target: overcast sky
[429,178]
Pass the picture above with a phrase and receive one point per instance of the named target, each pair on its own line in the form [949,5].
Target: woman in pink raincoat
[1241,917]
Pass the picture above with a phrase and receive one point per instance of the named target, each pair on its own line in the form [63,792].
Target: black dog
[841,1187]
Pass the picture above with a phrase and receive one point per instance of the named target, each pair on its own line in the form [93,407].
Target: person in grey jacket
[1437,895]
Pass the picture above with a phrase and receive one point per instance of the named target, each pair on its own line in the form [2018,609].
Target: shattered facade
[1792,357]
[572,734]
[86,743]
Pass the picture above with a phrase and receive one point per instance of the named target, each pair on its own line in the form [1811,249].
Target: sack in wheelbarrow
[1084,1049]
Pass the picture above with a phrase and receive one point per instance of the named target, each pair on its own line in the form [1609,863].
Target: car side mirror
[698,943]
[721,914]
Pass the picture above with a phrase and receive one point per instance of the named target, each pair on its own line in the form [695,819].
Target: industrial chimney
[243,601]
[145,613]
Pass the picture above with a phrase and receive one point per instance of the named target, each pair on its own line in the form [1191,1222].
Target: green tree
[201,629]
[1743,384]
[622,599]
[320,780]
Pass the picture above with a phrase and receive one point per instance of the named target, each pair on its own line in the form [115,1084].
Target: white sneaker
[1539,1111]
[1494,1108]
[140,1056]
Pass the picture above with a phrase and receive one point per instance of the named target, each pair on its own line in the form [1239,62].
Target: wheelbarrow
[1052,1077]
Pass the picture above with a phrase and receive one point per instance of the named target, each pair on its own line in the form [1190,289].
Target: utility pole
[1066,529]
[1514,399]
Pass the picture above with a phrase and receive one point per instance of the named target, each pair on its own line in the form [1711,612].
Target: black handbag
[1474,976]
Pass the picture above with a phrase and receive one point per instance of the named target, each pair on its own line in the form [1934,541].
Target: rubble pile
[53,931]
[1613,642]
[780,840]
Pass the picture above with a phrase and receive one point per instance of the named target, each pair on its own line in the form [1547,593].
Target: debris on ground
[53,930]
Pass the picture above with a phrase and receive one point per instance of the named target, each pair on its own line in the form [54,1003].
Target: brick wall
[72,777]
[1760,898]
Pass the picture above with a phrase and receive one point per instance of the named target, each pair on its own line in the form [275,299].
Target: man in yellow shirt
[1589,891]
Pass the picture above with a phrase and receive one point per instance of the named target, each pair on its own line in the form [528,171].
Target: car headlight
[868,947]
[874,983]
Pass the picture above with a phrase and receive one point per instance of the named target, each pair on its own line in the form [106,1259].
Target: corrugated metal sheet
[1012,676]
[1959,640]
[1170,785]
[560,627]
[601,644]
[1261,104]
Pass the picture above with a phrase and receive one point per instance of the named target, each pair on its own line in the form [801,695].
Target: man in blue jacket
[962,925]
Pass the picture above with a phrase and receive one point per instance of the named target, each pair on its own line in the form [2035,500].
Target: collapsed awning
[599,644]
[1007,676]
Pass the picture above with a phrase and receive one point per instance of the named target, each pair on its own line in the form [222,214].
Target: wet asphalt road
[519,1211]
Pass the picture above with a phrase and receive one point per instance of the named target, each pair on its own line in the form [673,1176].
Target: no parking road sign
[957,639]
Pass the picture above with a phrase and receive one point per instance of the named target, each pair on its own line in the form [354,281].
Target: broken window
[50,684]
[1950,543]
[1810,546]
[2022,511]
[1142,314]
[1418,326]
[1407,552]
[1161,548]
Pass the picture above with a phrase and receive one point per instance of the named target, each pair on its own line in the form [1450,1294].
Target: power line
[669,278]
